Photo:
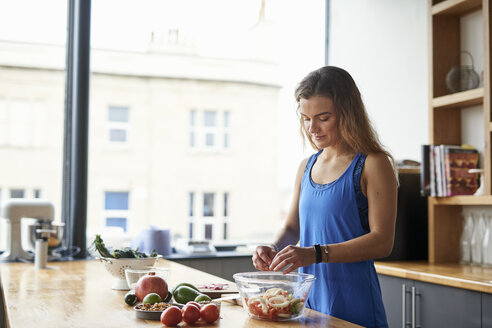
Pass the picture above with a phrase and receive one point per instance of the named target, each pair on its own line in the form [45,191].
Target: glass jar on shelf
[487,241]
[465,240]
[477,238]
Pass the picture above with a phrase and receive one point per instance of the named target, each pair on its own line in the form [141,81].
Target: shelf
[456,7]
[462,200]
[461,99]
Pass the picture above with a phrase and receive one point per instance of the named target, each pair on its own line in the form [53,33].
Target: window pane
[192,139]
[32,97]
[209,119]
[16,193]
[37,193]
[209,139]
[116,201]
[196,83]
[192,117]
[190,230]
[117,135]
[226,140]
[208,204]
[116,222]
[192,202]
[118,114]
[226,119]
[208,231]
[226,204]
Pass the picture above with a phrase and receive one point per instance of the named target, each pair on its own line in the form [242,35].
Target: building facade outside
[176,141]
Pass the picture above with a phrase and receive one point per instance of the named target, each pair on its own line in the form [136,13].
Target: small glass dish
[132,275]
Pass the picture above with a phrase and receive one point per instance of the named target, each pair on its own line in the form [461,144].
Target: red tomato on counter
[195,304]
[190,313]
[209,313]
[171,316]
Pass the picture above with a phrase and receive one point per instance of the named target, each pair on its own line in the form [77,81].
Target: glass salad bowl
[274,296]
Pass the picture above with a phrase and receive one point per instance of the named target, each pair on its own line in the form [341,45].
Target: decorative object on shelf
[481,189]
[465,240]
[462,77]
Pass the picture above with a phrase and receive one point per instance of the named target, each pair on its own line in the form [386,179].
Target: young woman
[344,207]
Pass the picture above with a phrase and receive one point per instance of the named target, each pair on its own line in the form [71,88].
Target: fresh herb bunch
[124,253]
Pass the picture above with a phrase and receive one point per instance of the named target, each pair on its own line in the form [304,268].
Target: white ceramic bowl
[116,267]
[274,296]
[132,275]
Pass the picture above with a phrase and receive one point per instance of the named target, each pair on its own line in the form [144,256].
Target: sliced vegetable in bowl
[273,295]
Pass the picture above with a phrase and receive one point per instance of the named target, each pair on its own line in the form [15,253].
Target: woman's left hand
[295,256]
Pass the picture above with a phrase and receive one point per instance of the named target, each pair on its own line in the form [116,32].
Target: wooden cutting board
[216,293]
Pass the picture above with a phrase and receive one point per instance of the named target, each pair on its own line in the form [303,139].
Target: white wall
[383,45]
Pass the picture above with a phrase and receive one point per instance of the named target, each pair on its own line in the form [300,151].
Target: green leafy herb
[124,253]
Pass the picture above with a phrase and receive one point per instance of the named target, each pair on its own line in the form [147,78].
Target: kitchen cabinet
[445,116]
[486,310]
[429,305]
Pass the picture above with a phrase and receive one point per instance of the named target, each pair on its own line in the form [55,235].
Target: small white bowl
[116,267]
[132,275]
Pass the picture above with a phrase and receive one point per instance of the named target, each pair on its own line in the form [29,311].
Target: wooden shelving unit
[445,220]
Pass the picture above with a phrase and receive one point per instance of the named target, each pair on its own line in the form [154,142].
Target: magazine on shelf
[447,170]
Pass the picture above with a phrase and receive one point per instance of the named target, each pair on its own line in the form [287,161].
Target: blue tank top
[333,213]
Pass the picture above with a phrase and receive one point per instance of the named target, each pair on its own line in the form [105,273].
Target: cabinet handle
[413,307]
[403,307]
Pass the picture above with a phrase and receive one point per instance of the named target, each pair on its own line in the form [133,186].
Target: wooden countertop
[78,294]
[470,277]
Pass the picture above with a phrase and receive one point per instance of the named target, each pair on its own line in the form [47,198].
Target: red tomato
[195,304]
[171,316]
[190,313]
[209,313]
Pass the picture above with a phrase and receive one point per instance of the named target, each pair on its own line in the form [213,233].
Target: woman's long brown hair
[353,122]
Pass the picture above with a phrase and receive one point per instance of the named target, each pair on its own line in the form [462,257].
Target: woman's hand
[295,256]
[262,257]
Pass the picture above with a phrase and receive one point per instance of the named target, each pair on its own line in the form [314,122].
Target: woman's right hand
[262,257]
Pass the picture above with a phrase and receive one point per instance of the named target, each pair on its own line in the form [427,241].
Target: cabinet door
[442,306]
[392,291]
[486,310]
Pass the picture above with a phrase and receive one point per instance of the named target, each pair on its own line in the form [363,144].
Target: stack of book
[445,170]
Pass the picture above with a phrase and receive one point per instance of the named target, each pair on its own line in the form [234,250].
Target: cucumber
[130,298]
[184,294]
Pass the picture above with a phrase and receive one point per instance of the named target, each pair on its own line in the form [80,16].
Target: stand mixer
[13,211]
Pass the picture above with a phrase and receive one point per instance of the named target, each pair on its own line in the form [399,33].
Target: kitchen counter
[469,277]
[78,294]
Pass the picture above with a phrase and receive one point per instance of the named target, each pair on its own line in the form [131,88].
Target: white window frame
[199,130]
[111,125]
[199,220]
[116,213]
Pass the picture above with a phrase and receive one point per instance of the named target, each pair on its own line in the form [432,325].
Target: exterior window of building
[192,128]
[226,204]
[226,129]
[116,209]
[36,193]
[118,121]
[208,204]
[209,231]
[225,231]
[209,128]
[192,203]
[16,193]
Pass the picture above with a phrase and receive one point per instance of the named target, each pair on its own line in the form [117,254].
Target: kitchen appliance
[411,237]
[194,246]
[29,234]
[13,210]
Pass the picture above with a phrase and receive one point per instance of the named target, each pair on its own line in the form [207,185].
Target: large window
[193,95]
[32,95]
